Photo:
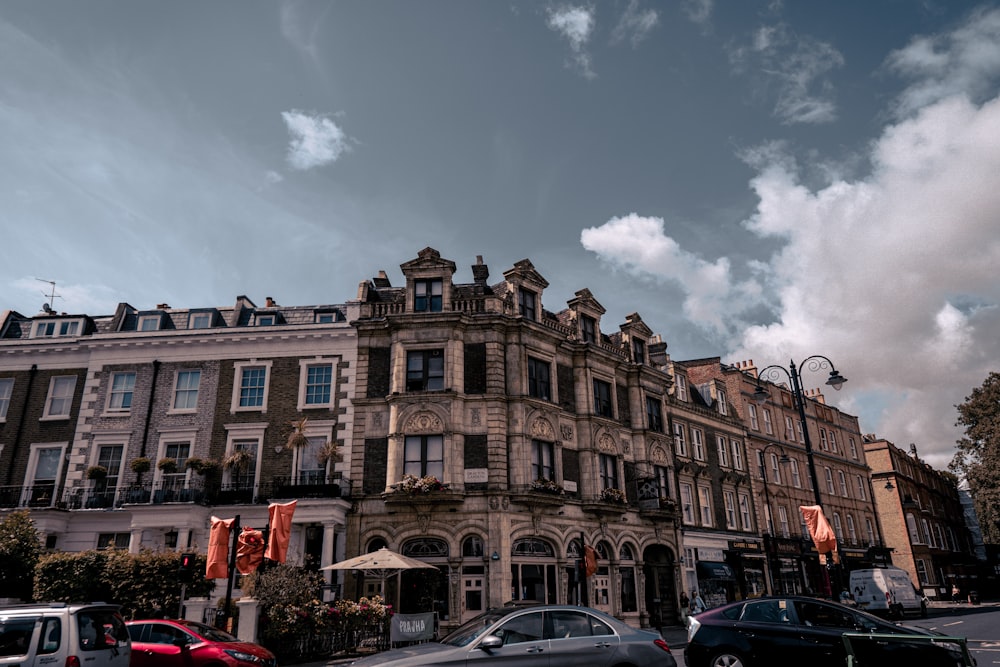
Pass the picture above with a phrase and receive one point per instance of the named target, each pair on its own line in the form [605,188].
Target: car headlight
[243,656]
[693,625]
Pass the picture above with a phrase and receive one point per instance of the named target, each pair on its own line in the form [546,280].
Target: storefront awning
[713,570]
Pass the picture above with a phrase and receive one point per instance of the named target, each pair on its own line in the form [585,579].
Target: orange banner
[281,529]
[217,566]
[820,531]
[249,550]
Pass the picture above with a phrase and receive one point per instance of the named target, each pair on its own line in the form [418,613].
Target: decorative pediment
[541,429]
[658,454]
[423,422]
[428,261]
[606,444]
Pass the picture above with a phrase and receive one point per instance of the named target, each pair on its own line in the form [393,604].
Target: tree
[978,456]
[20,549]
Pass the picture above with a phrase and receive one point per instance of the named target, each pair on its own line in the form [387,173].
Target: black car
[551,635]
[807,631]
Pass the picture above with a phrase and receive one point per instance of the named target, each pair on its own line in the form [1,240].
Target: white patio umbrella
[381,565]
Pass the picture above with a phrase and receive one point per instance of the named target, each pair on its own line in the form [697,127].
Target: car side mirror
[490,642]
[180,642]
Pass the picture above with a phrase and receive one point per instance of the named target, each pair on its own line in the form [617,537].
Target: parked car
[806,631]
[552,635]
[58,634]
[180,643]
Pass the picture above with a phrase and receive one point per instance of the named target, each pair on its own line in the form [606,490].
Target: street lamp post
[768,513]
[774,373]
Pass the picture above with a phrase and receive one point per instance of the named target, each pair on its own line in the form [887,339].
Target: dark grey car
[542,635]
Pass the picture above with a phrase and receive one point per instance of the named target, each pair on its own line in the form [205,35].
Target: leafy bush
[20,549]
[144,583]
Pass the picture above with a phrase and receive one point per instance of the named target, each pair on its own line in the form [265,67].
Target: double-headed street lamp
[773,373]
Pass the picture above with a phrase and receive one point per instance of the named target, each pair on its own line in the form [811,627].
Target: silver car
[551,635]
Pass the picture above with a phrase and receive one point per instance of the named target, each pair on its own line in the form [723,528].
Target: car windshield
[473,629]
[209,633]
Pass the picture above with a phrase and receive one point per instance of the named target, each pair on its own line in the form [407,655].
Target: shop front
[747,559]
[716,579]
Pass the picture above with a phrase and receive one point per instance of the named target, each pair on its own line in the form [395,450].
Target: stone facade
[537,424]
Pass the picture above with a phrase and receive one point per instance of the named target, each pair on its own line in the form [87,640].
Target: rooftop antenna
[50,296]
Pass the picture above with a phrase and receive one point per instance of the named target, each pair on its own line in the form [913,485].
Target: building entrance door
[473,593]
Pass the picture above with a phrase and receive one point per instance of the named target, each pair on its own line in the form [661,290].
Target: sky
[757,179]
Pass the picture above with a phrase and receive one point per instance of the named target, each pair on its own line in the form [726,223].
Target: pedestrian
[956,594]
[697,604]
[685,606]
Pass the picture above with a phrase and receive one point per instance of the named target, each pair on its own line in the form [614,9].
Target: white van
[887,591]
[57,634]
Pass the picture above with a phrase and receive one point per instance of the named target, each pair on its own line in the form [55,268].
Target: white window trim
[687,509]
[148,318]
[238,369]
[31,477]
[304,365]
[682,388]
[723,450]
[723,403]
[46,414]
[697,443]
[192,317]
[174,410]
[5,381]
[172,436]
[244,432]
[680,437]
[732,511]
[746,514]
[111,384]
[110,439]
[737,454]
[705,512]
[768,422]
[754,420]
[315,428]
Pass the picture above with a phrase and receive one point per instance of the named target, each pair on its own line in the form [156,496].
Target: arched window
[533,547]
[532,578]
[472,547]
[626,553]
[376,544]
[426,547]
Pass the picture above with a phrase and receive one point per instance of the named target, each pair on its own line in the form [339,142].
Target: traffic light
[185,572]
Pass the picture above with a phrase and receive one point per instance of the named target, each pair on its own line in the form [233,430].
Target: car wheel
[727,659]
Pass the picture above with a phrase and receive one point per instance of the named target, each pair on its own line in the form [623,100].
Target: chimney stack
[269,302]
[480,272]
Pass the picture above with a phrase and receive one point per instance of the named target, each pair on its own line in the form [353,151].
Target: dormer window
[265,320]
[588,329]
[723,405]
[51,328]
[149,323]
[681,385]
[427,295]
[638,351]
[527,304]
[327,316]
[200,320]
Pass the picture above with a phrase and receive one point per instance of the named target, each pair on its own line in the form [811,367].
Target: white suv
[57,634]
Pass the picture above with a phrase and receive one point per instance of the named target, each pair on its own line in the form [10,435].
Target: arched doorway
[660,593]
[425,589]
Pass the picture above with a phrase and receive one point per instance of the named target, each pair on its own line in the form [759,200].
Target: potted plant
[167,465]
[200,466]
[97,472]
[547,486]
[612,495]
[297,438]
[238,461]
[141,465]
[328,452]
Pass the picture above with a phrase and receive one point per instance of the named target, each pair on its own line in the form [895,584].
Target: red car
[170,643]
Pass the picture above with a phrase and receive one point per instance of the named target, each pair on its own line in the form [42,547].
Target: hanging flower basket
[201,466]
[167,465]
[97,472]
[141,465]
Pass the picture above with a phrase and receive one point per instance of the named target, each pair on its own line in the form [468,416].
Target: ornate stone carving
[476,418]
[542,429]
[566,431]
[424,520]
[377,419]
[626,446]
[658,454]
[494,503]
[423,422]
[607,444]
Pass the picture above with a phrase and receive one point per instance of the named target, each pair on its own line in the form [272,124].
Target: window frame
[654,414]
[195,317]
[543,460]
[608,471]
[729,501]
[705,506]
[737,453]
[638,351]
[686,492]
[723,402]
[145,319]
[427,375]
[681,384]
[752,414]
[539,387]
[51,397]
[6,395]
[603,405]
[722,446]
[187,391]
[423,440]
[427,299]
[588,329]
[680,440]
[527,304]
[768,423]
[128,391]
[746,516]
[305,367]
[697,443]
[240,369]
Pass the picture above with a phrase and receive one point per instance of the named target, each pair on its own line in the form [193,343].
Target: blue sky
[759,180]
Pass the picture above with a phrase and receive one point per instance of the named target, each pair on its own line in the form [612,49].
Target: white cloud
[640,245]
[793,69]
[576,24]
[965,61]
[698,11]
[315,140]
[635,23]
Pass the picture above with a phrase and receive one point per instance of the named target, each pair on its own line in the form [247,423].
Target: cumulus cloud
[640,245]
[635,23]
[892,275]
[576,24]
[964,61]
[794,70]
[315,140]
